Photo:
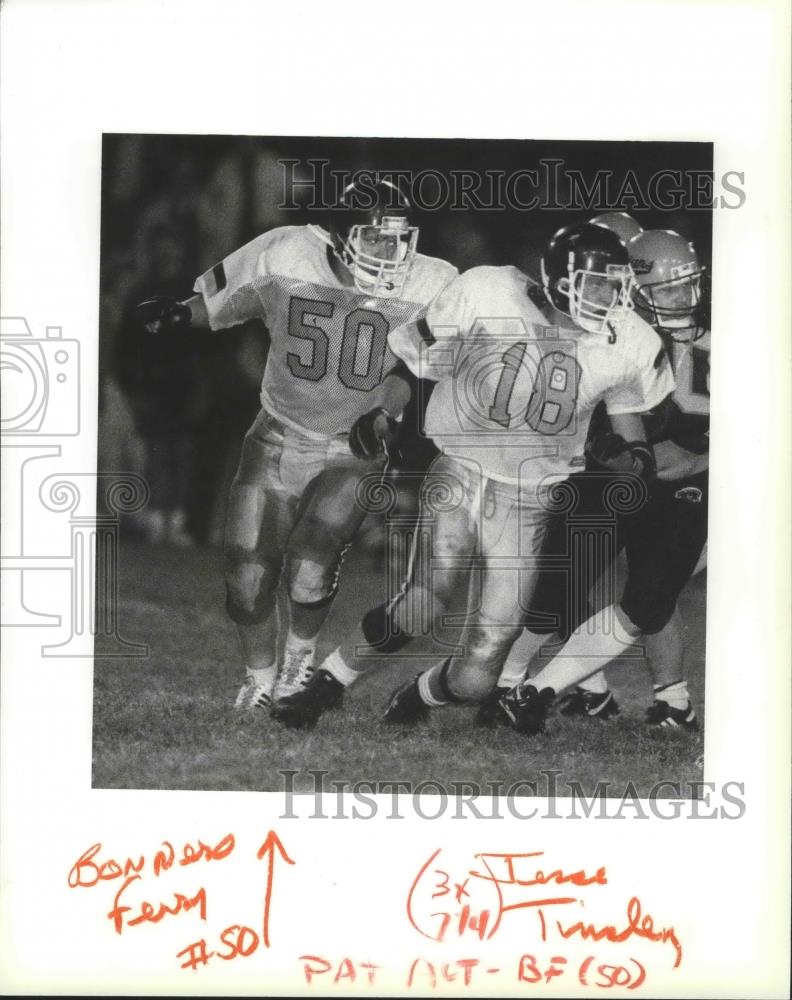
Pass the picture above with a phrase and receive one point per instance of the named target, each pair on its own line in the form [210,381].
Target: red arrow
[268,848]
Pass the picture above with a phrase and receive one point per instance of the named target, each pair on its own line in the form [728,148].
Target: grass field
[166,721]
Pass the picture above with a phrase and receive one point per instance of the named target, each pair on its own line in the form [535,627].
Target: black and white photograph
[396,498]
[424,431]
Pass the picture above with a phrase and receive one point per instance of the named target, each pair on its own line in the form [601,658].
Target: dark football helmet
[670,289]
[586,275]
[371,233]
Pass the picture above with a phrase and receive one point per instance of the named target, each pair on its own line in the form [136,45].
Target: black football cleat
[661,717]
[527,708]
[589,704]
[302,709]
[406,706]
[490,711]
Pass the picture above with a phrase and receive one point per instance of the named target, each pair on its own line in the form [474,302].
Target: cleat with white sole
[662,717]
[298,666]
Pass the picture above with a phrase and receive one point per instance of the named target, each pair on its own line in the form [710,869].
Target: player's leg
[545,618]
[578,564]
[547,614]
[594,571]
[664,542]
[443,537]
[443,540]
[665,656]
[602,637]
[672,551]
[591,697]
[257,525]
[511,538]
[329,517]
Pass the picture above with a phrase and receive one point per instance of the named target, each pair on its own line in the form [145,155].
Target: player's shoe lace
[297,668]
[527,708]
[406,706]
[589,703]
[660,716]
[253,695]
[302,709]
[490,711]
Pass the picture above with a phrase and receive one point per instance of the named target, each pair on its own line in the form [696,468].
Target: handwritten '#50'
[86,872]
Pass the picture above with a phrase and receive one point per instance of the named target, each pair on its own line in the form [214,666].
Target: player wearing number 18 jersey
[664,540]
[329,298]
[510,413]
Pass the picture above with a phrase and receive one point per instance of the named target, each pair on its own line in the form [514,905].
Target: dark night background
[175,409]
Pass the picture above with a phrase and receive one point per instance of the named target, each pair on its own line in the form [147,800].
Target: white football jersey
[329,358]
[515,395]
[691,361]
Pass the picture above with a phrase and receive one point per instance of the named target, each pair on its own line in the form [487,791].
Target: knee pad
[466,680]
[473,675]
[312,583]
[250,588]
[489,643]
[380,630]
[647,612]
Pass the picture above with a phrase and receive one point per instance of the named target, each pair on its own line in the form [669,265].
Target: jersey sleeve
[647,378]
[228,288]
[427,344]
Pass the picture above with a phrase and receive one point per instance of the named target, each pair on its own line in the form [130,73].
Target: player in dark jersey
[330,298]
[664,539]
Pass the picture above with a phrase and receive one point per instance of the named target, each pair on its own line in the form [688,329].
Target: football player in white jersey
[330,298]
[518,373]
[562,600]
[666,538]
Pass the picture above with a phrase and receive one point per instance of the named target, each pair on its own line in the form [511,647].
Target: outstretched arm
[199,317]
[163,313]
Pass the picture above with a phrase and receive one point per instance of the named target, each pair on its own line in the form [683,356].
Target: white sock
[298,644]
[592,645]
[334,664]
[596,684]
[519,657]
[265,676]
[424,686]
[676,695]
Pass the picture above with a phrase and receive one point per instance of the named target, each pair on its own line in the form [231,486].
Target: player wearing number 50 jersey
[329,298]
[517,375]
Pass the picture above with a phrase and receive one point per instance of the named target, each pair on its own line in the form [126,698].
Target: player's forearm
[199,317]
[674,462]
